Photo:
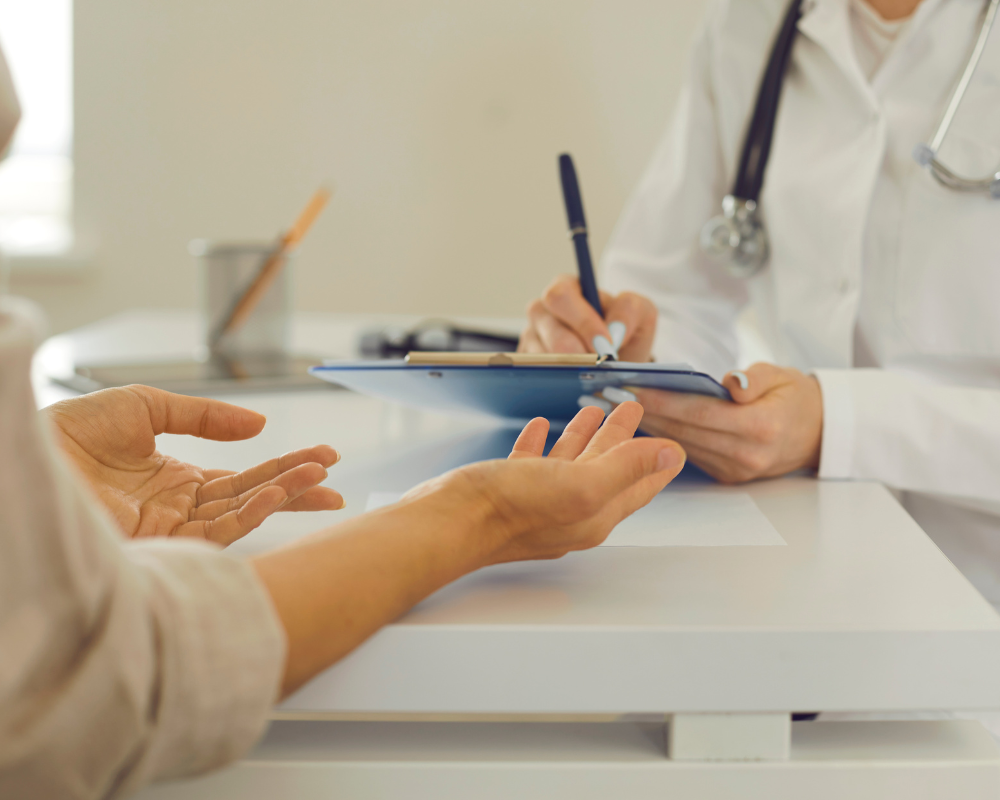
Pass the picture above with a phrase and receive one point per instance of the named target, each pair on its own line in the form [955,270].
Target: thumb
[198,416]
[749,385]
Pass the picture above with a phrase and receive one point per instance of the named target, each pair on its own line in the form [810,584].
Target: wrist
[815,429]
[456,508]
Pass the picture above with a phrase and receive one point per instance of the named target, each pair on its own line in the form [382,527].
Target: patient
[135,648]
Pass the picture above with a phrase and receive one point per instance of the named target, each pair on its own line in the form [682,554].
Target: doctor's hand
[110,437]
[561,321]
[775,425]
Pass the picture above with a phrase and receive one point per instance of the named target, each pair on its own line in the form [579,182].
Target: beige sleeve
[120,663]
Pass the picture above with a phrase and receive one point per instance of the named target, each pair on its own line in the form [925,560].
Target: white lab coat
[881,282]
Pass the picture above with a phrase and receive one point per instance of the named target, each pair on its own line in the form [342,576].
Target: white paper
[677,519]
[696,519]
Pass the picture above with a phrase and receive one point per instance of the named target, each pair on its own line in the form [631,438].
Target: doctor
[879,288]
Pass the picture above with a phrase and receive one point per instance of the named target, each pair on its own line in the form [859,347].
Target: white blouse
[121,662]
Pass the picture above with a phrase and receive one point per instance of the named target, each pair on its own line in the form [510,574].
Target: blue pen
[585,267]
[578,231]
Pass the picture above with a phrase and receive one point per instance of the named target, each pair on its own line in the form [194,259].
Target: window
[36,178]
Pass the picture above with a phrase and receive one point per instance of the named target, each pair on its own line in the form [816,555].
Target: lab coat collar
[828,23]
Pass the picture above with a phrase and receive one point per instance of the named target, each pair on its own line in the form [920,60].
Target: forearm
[336,588]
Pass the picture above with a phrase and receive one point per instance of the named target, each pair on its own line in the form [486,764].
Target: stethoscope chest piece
[736,239]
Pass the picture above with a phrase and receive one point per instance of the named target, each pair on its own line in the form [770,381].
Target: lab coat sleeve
[655,250]
[120,663]
[910,434]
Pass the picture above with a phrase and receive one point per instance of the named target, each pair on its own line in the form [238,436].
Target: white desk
[858,612]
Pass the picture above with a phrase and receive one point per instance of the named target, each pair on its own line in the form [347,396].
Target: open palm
[110,437]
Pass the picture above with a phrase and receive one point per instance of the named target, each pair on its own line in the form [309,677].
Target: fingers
[294,482]
[638,315]
[236,524]
[198,416]
[562,321]
[553,335]
[578,433]
[723,469]
[643,490]
[751,384]
[529,341]
[619,427]
[627,464]
[235,484]
[564,301]
[693,409]
[318,498]
[690,435]
[531,441]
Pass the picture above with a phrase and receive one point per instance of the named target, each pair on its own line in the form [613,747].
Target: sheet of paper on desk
[678,519]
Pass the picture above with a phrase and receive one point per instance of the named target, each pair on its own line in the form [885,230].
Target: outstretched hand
[110,437]
[544,507]
[333,590]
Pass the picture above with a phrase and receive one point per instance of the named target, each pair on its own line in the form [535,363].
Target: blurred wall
[438,122]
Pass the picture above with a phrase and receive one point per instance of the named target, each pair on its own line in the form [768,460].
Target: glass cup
[227,269]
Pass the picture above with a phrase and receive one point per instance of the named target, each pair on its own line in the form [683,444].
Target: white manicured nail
[742,378]
[616,395]
[617,330]
[585,400]
[604,348]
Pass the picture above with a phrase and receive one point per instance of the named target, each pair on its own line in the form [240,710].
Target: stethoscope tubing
[926,155]
[738,238]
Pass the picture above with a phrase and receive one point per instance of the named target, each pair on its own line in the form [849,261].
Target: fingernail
[617,330]
[669,458]
[585,400]
[603,347]
[742,378]
[336,457]
[616,395]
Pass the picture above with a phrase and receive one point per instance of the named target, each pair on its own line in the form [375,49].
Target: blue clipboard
[510,391]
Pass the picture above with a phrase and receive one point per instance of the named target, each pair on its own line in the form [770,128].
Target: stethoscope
[737,238]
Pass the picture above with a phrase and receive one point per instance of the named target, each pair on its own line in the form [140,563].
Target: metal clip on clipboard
[423,359]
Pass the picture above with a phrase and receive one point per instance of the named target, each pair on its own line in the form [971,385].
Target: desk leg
[729,737]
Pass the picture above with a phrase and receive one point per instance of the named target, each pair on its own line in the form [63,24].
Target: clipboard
[510,386]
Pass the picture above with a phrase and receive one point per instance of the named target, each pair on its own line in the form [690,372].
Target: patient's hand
[594,477]
[109,437]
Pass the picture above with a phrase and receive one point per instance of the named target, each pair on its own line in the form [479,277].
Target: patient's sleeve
[120,662]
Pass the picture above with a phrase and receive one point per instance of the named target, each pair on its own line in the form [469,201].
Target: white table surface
[860,611]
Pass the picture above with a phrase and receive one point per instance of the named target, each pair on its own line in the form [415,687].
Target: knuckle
[750,463]
[699,415]
[766,429]
[628,301]
[585,504]
[558,291]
